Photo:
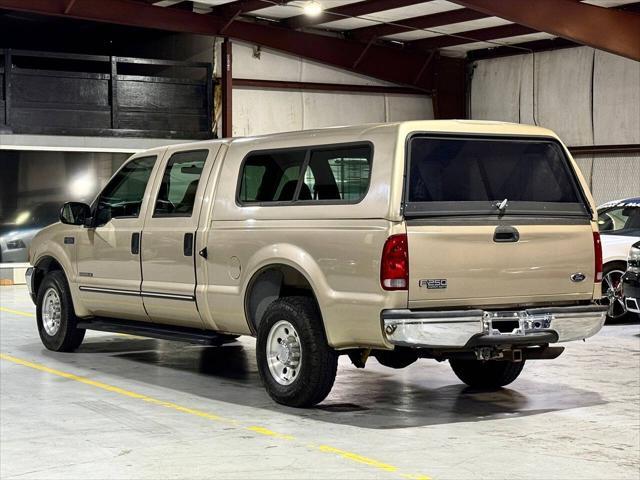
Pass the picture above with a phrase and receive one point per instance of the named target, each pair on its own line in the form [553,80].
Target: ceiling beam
[613,30]
[239,7]
[400,66]
[422,22]
[556,43]
[471,36]
[352,10]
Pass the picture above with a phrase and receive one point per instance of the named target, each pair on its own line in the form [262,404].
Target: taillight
[597,248]
[394,267]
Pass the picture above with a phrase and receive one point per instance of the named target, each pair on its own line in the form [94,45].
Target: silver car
[16,235]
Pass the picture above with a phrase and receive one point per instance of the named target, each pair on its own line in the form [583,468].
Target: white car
[619,223]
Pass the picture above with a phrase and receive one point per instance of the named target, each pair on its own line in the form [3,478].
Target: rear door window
[454,175]
[179,186]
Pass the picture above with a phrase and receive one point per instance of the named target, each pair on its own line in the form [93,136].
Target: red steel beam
[322,87]
[483,34]
[387,63]
[613,30]
[352,10]
[227,89]
[424,21]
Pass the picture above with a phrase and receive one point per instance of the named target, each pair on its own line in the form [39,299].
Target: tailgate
[463,265]
[495,221]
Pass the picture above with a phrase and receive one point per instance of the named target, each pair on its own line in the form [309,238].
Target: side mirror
[75,213]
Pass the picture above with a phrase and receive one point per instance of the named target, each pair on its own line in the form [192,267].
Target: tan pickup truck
[472,242]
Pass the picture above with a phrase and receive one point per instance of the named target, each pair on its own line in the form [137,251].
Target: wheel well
[269,284]
[42,268]
[621,264]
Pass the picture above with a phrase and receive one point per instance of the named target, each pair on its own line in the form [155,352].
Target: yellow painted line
[17,312]
[358,458]
[350,456]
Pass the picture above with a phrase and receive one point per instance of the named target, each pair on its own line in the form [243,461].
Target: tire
[303,372]
[486,374]
[65,336]
[612,295]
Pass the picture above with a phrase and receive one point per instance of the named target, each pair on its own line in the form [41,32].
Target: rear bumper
[473,328]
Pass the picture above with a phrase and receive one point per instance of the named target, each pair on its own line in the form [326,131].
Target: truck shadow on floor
[426,393]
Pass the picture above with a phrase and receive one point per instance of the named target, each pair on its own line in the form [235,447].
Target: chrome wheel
[284,352]
[51,312]
[612,295]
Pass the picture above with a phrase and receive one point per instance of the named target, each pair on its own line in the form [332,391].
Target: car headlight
[15,244]
[634,258]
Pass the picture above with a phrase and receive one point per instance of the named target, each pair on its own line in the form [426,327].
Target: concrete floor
[126,407]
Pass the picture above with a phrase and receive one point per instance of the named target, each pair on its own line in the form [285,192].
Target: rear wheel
[612,295]
[55,316]
[296,365]
[486,374]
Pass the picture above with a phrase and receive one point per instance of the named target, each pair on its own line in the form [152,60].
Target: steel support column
[227,88]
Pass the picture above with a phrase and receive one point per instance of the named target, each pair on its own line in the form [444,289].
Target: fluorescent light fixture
[312,8]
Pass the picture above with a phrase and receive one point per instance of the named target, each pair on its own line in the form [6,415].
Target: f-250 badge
[433,283]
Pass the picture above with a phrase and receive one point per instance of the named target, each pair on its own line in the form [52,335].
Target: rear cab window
[310,175]
[467,175]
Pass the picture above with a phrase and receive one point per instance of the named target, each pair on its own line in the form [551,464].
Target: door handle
[135,243]
[506,233]
[188,244]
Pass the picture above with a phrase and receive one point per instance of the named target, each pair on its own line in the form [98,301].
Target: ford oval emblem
[578,277]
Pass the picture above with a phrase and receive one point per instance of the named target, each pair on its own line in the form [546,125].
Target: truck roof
[440,126]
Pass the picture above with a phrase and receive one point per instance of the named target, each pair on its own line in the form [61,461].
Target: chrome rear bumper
[473,328]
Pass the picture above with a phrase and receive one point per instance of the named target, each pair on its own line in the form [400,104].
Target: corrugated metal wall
[611,176]
[587,96]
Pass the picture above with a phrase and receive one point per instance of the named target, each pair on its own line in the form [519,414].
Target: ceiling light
[312,8]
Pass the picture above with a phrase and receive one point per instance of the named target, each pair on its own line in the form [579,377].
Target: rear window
[328,174]
[479,176]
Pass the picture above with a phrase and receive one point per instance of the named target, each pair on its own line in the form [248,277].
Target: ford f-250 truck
[472,242]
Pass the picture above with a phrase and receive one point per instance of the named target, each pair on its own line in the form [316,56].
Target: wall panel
[258,112]
[325,109]
[616,100]
[491,103]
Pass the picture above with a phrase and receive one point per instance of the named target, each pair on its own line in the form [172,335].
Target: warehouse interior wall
[587,96]
[262,111]
[258,111]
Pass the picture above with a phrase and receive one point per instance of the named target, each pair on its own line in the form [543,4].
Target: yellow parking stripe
[346,455]
[17,312]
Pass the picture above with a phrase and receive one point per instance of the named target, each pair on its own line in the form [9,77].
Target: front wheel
[296,365]
[486,374]
[55,315]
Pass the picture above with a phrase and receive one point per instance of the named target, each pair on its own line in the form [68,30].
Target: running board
[155,330]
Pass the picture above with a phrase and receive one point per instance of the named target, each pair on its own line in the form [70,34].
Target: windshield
[621,220]
[471,175]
